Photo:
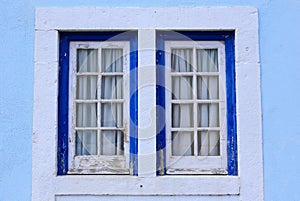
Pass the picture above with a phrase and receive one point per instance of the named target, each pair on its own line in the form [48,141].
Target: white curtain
[182,114]
[111,141]
[208,114]
[86,113]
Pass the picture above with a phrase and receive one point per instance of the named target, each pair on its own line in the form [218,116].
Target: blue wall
[280,69]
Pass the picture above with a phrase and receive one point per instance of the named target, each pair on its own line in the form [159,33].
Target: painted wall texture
[280,82]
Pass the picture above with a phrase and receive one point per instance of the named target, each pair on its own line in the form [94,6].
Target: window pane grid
[104,91]
[198,129]
[201,77]
[197,101]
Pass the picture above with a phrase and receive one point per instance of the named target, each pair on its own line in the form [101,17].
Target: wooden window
[98,108]
[196,127]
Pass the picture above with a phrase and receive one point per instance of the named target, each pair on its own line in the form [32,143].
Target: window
[196,107]
[98,111]
[98,108]
[171,114]
[94,120]
[196,72]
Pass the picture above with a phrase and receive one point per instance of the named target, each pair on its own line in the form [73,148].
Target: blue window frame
[228,38]
[63,94]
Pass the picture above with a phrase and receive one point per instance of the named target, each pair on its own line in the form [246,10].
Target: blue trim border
[63,90]
[228,38]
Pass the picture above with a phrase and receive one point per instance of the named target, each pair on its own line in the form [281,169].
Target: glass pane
[112,115]
[112,87]
[182,115]
[181,60]
[208,87]
[112,60]
[182,87]
[208,115]
[207,60]
[112,143]
[182,144]
[86,87]
[86,142]
[209,143]
[86,114]
[87,60]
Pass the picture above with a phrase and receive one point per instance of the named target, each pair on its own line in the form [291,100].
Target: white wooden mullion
[209,101]
[113,73]
[86,73]
[195,124]
[179,74]
[99,103]
[198,129]
[208,74]
[112,100]
[112,128]
[72,103]
[126,94]
[222,104]
[85,101]
[197,101]
[102,73]
[168,86]
[85,128]
[209,129]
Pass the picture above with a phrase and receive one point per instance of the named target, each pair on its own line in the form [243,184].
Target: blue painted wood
[134,103]
[160,105]
[65,38]
[228,38]
[231,106]
[63,99]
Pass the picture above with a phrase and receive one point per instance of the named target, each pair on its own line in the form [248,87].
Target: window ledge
[163,185]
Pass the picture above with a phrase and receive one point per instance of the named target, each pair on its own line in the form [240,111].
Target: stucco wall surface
[280,83]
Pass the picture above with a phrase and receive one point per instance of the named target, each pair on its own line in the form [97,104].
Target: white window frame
[196,164]
[98,164]
[248,185]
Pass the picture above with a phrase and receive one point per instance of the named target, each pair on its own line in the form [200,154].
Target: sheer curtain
[182,114]
[208,89]
[111,141]
[207,114]
[86,113]
[111,115]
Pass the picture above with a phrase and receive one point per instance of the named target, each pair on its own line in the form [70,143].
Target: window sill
[160,185]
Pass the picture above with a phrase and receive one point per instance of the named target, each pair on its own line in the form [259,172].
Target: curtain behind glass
[208,89]
[86,113]
[207,114]
[112,141]
[182,114]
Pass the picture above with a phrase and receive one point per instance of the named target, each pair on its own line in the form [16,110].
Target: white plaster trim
[244,20]
[146,103]
[163,185]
